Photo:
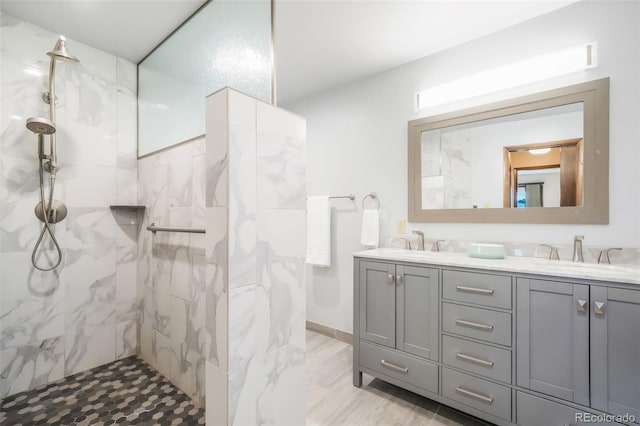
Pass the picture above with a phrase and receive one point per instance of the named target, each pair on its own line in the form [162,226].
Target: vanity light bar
[537,68]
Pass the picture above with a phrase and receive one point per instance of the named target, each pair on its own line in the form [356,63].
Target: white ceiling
[319,43]
[126,28]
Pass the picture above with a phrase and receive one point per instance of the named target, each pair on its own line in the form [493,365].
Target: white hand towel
[319,231]
[370,228]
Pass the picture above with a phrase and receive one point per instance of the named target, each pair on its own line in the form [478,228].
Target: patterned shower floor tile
[127,391]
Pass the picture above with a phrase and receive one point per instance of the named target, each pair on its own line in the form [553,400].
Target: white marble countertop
[623,273]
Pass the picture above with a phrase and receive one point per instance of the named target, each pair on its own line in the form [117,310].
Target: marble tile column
[255,207]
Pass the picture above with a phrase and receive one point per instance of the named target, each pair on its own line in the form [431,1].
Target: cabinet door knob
[398,279]
[390,279]
[582,305]
[599,308]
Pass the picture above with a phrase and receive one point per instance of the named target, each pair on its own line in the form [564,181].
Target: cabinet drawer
[400,366]
[535,411]
[477,358]
[482,289]
[477,393]
[477,323]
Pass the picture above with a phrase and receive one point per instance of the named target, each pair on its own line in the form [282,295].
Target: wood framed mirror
[541,158]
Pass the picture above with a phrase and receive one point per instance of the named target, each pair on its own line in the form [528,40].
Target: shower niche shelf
[129,207]
[127,214]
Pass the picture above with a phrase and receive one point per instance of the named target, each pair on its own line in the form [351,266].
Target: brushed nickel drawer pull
[474,289]
[387,364]
[470,358]
[389,278]
[471,324]
[474,395]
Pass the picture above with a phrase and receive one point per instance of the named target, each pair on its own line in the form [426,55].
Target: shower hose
[46,228]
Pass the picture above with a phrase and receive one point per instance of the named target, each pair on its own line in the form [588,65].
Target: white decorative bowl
[486,251]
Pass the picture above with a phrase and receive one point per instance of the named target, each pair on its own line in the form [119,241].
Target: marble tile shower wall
[171,267]
[223,314]
[256,185]
[440,189]
[83,314]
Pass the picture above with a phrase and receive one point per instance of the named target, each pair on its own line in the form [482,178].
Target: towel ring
[373,196]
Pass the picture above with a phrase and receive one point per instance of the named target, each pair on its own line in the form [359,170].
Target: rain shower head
[60,51]
[41,126]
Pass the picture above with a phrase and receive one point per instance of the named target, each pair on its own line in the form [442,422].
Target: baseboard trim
[331,332]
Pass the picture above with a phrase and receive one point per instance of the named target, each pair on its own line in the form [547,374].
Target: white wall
[551,186]
[357,139]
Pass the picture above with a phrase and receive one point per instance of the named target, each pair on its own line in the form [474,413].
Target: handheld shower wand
[49,211]
[46,213]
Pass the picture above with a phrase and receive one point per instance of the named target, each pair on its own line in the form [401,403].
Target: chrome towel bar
[350,196]
[155,228]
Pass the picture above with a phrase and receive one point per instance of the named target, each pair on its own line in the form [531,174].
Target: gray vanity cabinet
[580,343]
[572,351]
[615,350]
[417,311]
[399,307]
[378,303]
[553,338]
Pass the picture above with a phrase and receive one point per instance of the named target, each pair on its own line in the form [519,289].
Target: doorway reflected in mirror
[548,174]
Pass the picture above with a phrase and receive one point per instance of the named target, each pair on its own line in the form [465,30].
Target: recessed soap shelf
[127,214]
[127,207]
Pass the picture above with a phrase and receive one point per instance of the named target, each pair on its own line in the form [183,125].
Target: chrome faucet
[420,235]
[436,245]
[553,252]
[407,243]
[577,248]
[604,255]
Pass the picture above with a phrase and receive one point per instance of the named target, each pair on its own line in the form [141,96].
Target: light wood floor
[332,400]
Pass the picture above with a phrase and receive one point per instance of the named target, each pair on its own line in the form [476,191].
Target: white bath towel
[370,228]
[319,231]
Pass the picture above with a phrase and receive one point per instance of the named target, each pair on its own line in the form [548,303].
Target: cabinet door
[377,303]
[615,350]
[417,311]
[553,338]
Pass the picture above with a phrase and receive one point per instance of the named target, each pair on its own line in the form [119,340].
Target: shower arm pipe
[53,160]
[53,149]
[52,177]
[41,146]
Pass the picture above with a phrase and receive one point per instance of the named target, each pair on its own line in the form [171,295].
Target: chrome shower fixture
[49,211]
[41,126]
[60,51]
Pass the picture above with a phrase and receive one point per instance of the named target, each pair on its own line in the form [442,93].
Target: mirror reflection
[530,159]
[547,174]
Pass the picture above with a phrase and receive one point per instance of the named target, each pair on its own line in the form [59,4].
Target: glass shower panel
[228,43]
